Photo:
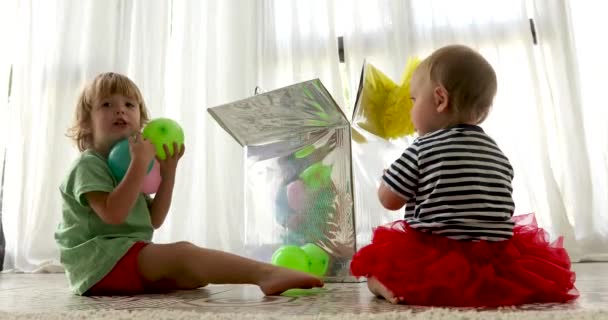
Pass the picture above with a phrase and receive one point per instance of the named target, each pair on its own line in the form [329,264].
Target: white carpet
[432,314]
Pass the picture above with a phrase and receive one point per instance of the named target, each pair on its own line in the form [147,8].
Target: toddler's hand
[141,149]
[169,165]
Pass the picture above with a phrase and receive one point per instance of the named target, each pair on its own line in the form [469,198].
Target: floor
[49,293]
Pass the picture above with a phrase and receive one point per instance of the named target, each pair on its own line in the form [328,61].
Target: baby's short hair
[468,78]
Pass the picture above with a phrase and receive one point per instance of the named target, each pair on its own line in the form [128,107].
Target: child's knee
[183,250]
[182,246]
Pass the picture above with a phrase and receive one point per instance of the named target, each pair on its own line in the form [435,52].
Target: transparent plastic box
[297,173]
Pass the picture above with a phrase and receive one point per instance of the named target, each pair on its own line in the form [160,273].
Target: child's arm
[389,199]
[114,207]
[399,182]
[162,200]
[159,207]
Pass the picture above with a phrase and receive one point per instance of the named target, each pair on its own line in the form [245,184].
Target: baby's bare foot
[377,288]
[278,280]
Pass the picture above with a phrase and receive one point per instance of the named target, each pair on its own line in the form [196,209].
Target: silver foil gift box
[296,185]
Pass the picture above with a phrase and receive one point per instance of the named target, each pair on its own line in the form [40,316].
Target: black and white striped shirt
[457,183]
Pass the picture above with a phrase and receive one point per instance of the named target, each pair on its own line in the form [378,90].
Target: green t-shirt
[89,247]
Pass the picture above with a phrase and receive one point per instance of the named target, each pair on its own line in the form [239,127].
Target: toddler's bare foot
[278,280]
[377,288]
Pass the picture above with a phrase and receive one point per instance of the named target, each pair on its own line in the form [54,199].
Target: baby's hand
[169,165]
[141,149]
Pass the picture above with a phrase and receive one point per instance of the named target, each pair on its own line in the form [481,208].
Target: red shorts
[124,278]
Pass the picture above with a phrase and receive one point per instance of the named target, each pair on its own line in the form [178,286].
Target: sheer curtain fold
[8,21]
[206,68]
[543,116]
[586,176]
[499,31]
[185,56]
[60,46]
[188,55]
[297,42]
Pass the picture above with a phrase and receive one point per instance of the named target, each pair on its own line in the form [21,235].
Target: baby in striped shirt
[458,244]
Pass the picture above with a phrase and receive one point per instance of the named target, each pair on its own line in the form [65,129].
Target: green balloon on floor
[292,257]
[319,259]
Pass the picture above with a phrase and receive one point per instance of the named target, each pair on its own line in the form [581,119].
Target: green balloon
[316,176]
[305,152]
[164,131]
[319,259]
[292,257]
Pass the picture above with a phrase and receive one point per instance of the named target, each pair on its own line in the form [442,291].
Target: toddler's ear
[441,98]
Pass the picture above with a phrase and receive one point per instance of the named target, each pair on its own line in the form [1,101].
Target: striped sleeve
[402,176]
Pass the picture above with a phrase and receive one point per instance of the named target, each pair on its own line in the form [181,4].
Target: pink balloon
[152,180]
[297,195]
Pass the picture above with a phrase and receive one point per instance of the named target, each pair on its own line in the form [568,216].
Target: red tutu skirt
[432,270]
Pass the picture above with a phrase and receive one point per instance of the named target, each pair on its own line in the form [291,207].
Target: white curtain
[187,56]
[211,60]
[298,42]
[576,65]
[8,10]
[549,127]
[58,46]
[7,25]
[386,33]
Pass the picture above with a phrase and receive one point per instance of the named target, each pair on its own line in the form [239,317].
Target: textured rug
[46,296]
[431,314]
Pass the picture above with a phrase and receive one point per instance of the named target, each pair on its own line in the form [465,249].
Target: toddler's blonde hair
[102,86]
[468,78]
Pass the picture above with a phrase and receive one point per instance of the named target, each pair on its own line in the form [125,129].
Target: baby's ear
[441,98]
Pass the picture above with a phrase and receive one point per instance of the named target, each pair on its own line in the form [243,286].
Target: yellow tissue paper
[383,107]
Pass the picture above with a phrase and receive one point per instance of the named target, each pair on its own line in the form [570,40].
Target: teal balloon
[292,257]
[318,259]
[119,160]
[164,131]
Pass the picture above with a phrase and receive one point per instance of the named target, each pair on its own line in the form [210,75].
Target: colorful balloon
[318,259]
[316,176]
[292,257]
[298,195]
[164,131]
[152,180]
[119,160]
